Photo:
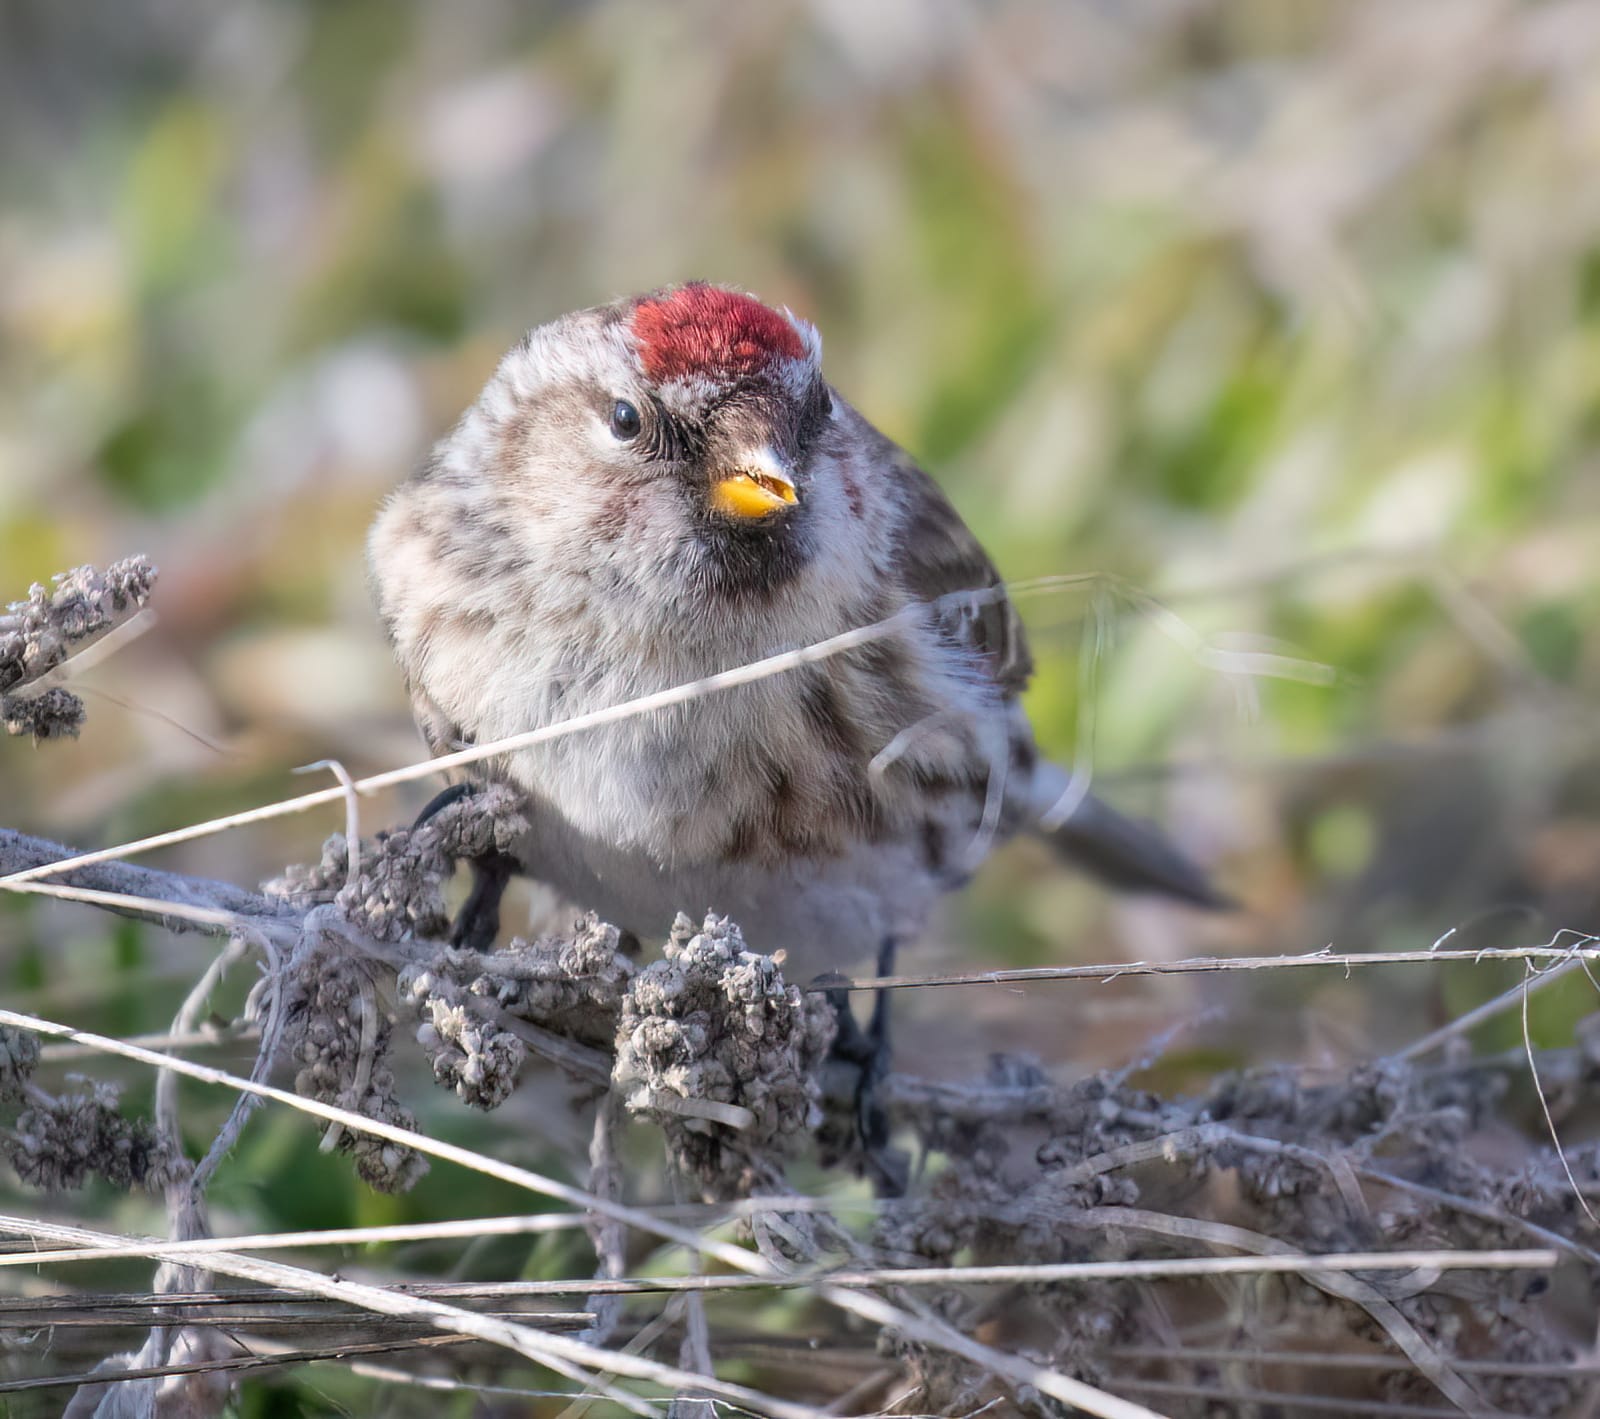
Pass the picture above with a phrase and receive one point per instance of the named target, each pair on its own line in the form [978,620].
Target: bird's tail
[1123,852]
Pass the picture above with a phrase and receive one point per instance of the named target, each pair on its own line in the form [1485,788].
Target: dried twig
[1588,949]
[57,623]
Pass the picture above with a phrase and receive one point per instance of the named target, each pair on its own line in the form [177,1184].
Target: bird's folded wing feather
[940,555]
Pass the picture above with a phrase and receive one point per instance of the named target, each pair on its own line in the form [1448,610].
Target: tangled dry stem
[38,635]
[1377,1159]
[714,1048]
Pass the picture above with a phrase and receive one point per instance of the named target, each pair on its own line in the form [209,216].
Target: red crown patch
[701,329]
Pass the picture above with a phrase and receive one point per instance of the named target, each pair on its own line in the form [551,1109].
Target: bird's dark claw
[443,799]
[477,924]
[856,1065]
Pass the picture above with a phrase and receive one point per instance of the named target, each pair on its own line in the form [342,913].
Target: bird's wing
[939,555]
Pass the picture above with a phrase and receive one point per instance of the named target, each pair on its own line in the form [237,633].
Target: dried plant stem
[559,1352]
[206,1037]
[172,900]
[1406,1336]
[535,1223]
[185,902]
[505,1172]
[1014,1369]
[1236,1398]
[1488,1213]
[1490,1008]
[157,909]
[628,709]
[608,1236]
[352,812]
[695,1352]
[1211,965]
[1544,1102]
[277,1357]
[1345,1360]
[642,1340]
[1154,1268]
[1230,662]
[871,1308]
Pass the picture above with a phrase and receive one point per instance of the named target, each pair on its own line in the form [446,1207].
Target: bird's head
[682,427]
[740,383]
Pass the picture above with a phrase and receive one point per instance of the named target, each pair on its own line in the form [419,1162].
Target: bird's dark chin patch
[749,560]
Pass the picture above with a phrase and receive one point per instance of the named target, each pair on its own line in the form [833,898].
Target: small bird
[657,490]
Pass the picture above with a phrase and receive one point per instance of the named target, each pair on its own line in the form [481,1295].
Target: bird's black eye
[624,420]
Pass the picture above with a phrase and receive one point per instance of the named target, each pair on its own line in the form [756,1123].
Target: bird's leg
[865,1055]
[871,1118]
[442,800]
[477,924]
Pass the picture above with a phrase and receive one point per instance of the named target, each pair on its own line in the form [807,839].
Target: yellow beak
[757,486]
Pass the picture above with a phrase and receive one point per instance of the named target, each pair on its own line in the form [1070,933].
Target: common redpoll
[656,490]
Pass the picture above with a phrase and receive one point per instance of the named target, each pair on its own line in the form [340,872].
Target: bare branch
[19,853]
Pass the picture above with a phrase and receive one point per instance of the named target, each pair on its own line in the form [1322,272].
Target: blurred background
[1286,315]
